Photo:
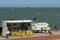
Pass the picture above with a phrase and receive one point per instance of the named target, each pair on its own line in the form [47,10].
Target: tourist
[55,28]
[7,33]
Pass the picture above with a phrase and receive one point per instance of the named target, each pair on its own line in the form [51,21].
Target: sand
[37,36]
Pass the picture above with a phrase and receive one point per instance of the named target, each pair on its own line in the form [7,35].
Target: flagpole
[12,14]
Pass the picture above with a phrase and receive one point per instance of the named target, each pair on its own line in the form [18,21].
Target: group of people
[46,30]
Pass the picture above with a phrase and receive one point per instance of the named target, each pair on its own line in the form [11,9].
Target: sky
[29,3]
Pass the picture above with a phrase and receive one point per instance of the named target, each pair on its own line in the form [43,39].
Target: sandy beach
[36,36]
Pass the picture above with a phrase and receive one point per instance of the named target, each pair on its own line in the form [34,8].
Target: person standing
[7,33]
[55,28]
[41,29]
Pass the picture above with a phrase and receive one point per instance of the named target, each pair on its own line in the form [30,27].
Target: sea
[51,15]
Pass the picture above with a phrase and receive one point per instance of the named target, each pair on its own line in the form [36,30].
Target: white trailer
[15,25]
[37,26]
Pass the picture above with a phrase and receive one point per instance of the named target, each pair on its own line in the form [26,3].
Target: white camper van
[37,26]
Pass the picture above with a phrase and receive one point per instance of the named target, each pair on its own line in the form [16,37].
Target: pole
[12,14]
